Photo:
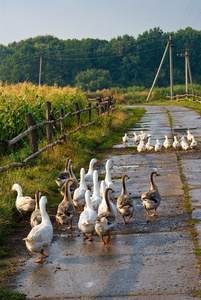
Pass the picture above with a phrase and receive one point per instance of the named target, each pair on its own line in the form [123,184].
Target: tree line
[96,64]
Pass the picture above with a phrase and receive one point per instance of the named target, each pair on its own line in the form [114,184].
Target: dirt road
[150,258]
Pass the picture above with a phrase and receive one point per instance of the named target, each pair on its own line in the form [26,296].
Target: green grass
[8,294]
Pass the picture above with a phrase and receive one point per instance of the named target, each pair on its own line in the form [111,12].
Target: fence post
[78,115]
[102,108]
[97,109]
[62,122]
[48,126]
[108,107]
[89,105]
[33,134]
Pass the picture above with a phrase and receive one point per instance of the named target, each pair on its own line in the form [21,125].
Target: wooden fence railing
[189,97]
[104,106]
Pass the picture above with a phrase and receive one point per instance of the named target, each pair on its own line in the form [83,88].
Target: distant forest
[97,64]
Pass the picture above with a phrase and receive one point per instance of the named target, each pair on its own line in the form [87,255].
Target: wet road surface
[150,258]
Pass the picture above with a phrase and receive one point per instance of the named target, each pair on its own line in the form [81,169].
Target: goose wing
[151,196]
[109,216]
[125,200]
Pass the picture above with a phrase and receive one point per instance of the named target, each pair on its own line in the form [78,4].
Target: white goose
[23,204]
[136,137]
[40,236]
[103,206]
[176,144]
[157,146]
[141,147]
[96,196]
[166,143]
[36,218]
[108,179]
[89,175]
[144,136]
[184,144]
[193,143]
[87,219]
[149,147]
[79,193]
[189,135]
[125,138]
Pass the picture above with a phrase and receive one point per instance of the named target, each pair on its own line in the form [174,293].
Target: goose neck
[153,185]
[18,189]
[96,191]
[82,179]
[37,200]
[68,165]
[108,172]
[107,200]
[44,214]
[124,190]
[67,194]
[88,201]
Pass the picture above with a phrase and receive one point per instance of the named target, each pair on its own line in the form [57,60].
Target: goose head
[16,187]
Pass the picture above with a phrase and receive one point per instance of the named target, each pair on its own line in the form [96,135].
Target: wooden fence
[102,107]
[189,97]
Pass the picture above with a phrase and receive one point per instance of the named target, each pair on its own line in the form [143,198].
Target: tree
[93,79]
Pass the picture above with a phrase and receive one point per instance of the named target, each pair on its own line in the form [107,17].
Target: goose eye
[109,223]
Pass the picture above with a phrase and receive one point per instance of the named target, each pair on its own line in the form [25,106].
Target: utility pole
[40,69]
[169,44]
[187,70]
[171,68]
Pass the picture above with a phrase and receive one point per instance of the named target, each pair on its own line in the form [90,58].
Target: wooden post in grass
[62,122]
[108,107]
[78,114]
[97,109]
[48,126]
[89,105]
[33,134]
[102,108]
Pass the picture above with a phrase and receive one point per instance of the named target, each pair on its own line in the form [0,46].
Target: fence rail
[189,97]
[105,106]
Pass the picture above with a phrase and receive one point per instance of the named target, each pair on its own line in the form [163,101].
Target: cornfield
[22,98]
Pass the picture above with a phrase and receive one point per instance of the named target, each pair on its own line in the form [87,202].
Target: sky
[102,19]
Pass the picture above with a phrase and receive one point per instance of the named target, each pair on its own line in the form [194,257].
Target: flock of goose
[143,142]
[94,204]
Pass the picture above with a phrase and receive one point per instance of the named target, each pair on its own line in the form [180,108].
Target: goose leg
[154,214]
[108,239]
[148,214]
[41,260]
[130,217]
[91,238]
[104,243]
[71,225]
[60,228]
[85,236]
[125,222]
